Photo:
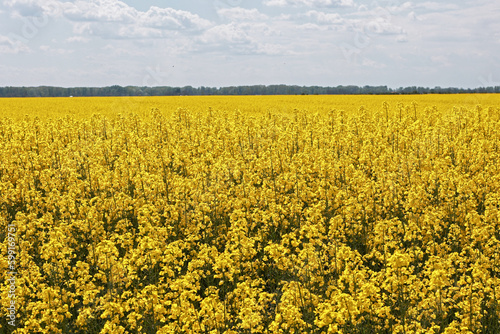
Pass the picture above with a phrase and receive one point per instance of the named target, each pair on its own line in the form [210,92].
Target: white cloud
[113,18]
[371,63]
[435,6]
[402,39]
[7,45]
[48,49]
[241,14]
[310,3]
[325,18]
[34,8]
[77,39]
[376,21]
[311,26]
[227,33]
[380,26]
[273,49]
[412,16]
[103,11]
[441,60]
[129,32]
[396,7]
[240,38]
[119,51]
[100,11]
[168,18]
[454,28]
[368,25]
[24,7]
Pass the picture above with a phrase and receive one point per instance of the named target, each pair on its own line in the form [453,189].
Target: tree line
[48,91]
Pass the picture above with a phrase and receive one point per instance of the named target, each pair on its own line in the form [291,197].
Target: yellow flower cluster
[260,215]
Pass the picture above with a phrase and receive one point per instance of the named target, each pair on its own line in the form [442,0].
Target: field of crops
[284,214]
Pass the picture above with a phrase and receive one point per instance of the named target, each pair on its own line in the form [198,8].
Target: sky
[218,43]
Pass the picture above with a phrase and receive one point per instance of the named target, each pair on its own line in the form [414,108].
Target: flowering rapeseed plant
[255,215]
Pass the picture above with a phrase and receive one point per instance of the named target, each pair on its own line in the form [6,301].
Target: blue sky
[242,42]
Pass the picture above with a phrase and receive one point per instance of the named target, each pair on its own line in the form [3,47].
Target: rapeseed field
[263,214]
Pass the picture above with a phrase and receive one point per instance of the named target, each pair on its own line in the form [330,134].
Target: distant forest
[46,91]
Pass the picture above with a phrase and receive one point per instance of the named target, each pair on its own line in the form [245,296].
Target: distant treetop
[47,91]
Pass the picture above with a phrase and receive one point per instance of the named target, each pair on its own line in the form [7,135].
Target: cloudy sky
[244,42]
